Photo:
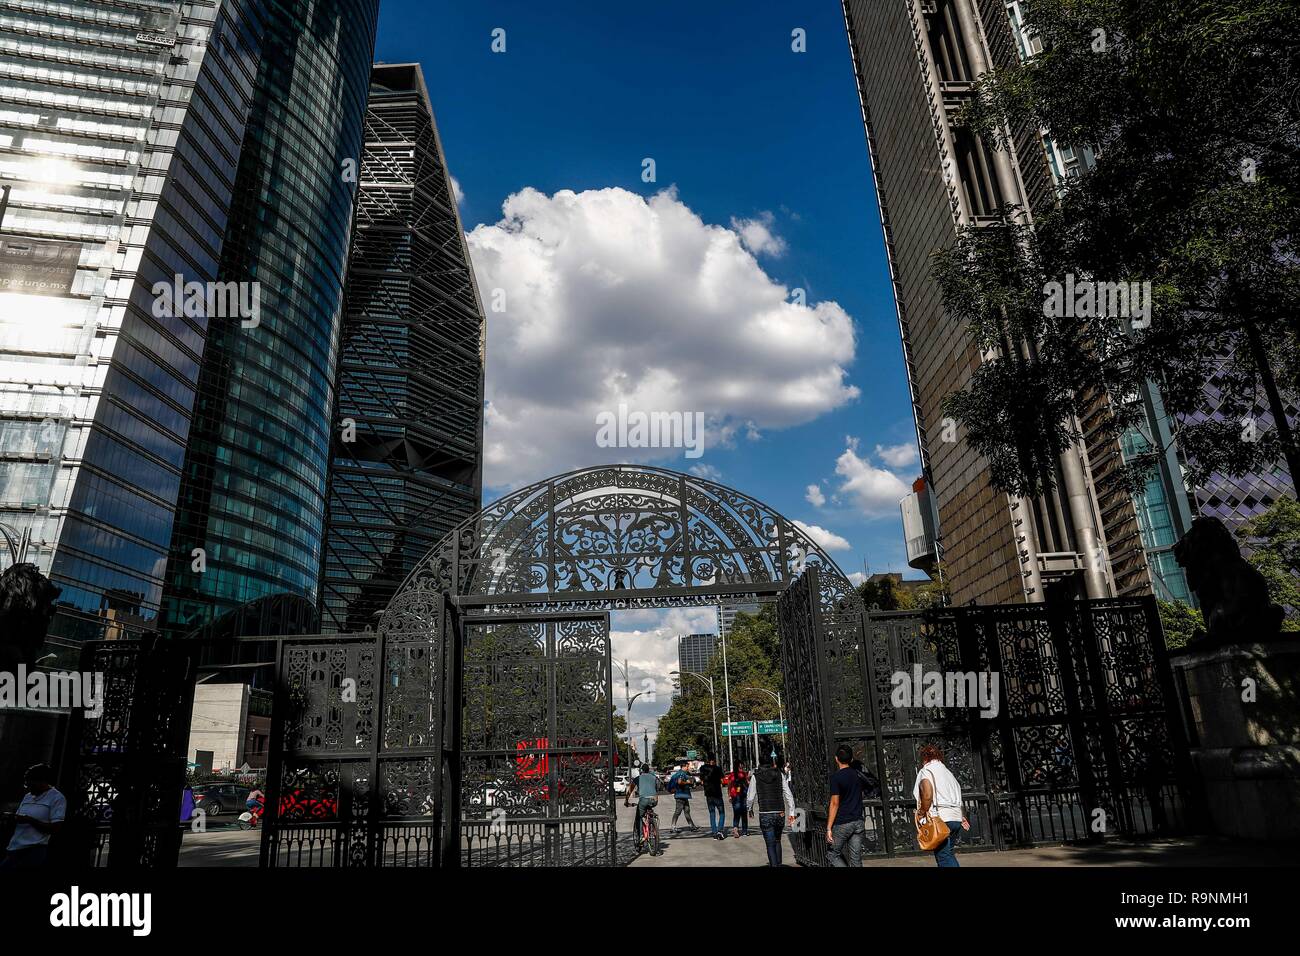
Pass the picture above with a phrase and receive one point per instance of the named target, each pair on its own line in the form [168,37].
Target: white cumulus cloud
[757,235]
[897,456]
[829,540]
[815,496]
[614,298]
[874,491]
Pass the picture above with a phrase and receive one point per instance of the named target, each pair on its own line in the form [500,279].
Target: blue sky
[744,130]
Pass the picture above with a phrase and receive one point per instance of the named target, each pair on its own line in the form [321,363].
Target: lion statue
[1233,595]
[26,606]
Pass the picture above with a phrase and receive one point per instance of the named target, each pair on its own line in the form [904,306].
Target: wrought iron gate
[1085,742]
[537,765]
[124,768]
[362,763]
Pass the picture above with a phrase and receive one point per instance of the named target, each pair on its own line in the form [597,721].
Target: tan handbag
[932,831]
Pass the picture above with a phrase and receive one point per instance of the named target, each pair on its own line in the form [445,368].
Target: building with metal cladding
[695,652]
[252,495]
[915,62]
[172,168]
[120,135]
[408,443]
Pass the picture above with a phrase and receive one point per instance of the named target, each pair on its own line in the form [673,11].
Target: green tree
[1274,540]
[1180,623]
[1192,110]
[753,660]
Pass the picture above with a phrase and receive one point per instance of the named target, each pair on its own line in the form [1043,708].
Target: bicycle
[648,838]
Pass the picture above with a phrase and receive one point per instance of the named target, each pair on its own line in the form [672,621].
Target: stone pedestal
[1246,751]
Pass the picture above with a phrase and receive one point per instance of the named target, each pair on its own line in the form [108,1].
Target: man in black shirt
[844,823]
[711,778]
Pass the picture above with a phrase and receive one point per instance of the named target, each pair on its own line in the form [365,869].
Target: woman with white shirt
[937,792]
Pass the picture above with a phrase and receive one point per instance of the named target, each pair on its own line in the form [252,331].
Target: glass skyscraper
[142,141]
[252,495]
[408,437]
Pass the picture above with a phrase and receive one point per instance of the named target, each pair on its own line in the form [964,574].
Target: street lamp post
[713,703]
[627,709]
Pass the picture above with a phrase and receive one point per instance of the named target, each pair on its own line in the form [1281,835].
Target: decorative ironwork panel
[128,763]
[537,764]
[357,778]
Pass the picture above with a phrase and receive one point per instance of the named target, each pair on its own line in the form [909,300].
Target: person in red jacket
[737,784]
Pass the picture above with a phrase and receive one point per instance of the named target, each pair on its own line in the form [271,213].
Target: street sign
[771,727]
[692,755]
[738,728]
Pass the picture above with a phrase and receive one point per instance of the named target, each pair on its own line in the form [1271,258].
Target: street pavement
[699,848]
[224,846]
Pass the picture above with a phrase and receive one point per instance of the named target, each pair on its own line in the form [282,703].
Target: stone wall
[1241,705]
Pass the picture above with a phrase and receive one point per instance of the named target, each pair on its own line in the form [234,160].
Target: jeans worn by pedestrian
[717,815]
[945,854]
[642,804]
[683,804]
[772,825]
[741,816]
[846,840]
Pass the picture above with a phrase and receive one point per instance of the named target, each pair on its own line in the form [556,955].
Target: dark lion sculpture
[26,606]
[1233,595]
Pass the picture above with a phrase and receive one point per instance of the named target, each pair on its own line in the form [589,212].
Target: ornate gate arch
[507,597]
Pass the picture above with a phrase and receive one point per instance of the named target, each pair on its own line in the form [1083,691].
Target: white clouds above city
[614,298]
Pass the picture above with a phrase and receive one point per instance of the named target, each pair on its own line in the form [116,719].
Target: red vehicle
[533,763]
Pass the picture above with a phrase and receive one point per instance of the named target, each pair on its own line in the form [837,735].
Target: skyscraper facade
[120,133]
[252,496]
[695,652]
[171,174]
[408,439]
[916,61]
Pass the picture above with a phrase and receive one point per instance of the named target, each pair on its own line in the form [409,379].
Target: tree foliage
[1274,540]
[1192,110]
[753,660]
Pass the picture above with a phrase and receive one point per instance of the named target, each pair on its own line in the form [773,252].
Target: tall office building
[120,132]
[252,495]
[695,652]
[727,615]
[408,438]
[142,141]
[915,62]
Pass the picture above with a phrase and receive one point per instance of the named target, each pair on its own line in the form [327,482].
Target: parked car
[217,798]
[621,782]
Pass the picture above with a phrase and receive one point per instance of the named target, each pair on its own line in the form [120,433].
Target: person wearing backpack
[679,785]
[844,820]
[737,784]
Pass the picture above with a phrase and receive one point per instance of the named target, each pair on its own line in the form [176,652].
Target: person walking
[844,820]
[646,786]
[711,783]
[937,792]
[39,816]
[770,790]
[737,784]
[679,784]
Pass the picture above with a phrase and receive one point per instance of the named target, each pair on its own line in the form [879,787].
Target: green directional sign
[771,727]
[738,728]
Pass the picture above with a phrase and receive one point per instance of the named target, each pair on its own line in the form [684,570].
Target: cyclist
[646,784]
